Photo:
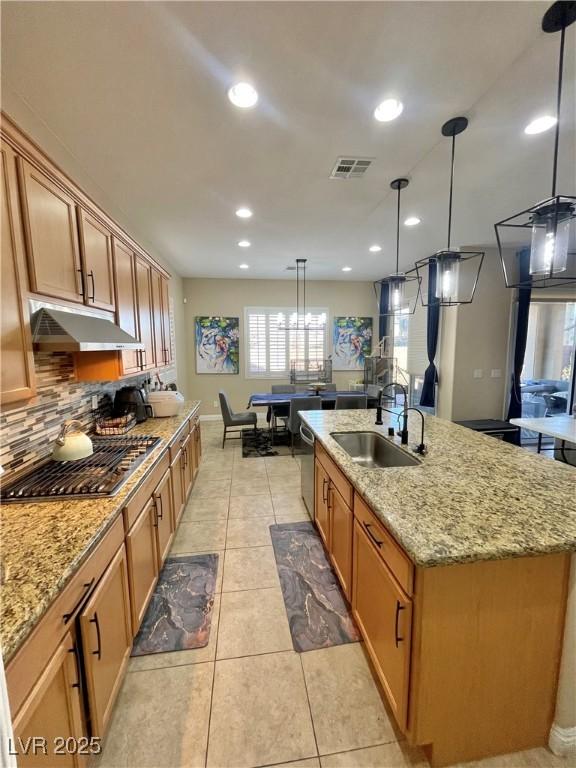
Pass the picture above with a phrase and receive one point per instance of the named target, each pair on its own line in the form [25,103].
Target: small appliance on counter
[165,402]
[72,443]
[132,400]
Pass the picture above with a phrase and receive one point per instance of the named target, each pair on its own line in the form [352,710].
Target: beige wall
[229,297]
[476,336]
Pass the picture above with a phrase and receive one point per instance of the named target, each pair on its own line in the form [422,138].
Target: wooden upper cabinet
[106,629]
[50,228]
[17,378]
[158,326]
[126,301]
[145,308]
[167,349]
[96,249]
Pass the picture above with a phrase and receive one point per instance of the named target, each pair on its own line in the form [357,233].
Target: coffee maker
[132,400]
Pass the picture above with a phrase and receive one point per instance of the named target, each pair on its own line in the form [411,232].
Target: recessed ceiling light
[243,95]
[388,110]
[244,213]
[346,269]
[411,221]
[540,124]
[244,266]
[375,249]
[244,243]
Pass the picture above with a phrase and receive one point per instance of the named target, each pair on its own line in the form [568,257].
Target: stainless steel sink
[372,450]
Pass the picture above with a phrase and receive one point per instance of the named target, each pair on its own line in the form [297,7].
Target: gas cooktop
[102,474]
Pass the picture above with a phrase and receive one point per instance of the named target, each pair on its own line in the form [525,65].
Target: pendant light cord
[558,102]
[451,189]
[398,233]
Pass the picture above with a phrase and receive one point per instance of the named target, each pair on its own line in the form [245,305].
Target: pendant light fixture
[392,291]
[454,272]
[547,227]
[301,320]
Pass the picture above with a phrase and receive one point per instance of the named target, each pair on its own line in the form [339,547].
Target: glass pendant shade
[447,274]
[550,239]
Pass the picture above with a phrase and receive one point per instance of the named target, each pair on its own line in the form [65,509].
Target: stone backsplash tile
[27,432]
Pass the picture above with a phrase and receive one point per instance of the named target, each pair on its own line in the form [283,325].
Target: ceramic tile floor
[247,699]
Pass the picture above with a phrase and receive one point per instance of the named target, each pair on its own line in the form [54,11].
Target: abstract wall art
[217,344]
[351,342]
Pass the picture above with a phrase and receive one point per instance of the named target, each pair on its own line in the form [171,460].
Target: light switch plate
[496,373]
[215,403]
[478,373]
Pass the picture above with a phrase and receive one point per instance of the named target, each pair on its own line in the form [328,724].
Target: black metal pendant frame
[557,18]
[463,256]
[398,278]
[525,220]
[451,128]
[300,298]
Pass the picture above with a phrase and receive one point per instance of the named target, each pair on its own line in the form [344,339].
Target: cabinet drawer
[337,478]
[31,659]
[145,491]
[391,552]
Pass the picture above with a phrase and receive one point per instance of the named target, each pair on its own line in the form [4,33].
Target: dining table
[268,399]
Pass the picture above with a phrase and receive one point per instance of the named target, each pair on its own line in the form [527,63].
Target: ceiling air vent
[351,167]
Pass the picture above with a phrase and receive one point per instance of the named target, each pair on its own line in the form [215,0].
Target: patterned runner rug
[180,612]
[317,611]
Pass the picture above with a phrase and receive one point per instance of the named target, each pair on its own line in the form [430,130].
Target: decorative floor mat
[180,612]
[258,442]
[317,611]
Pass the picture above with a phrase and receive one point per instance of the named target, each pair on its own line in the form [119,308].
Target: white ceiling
[133,96]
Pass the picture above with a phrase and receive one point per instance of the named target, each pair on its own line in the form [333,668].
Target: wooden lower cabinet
[187,466]
[178,500]
[53,710]
[106,641]
[321,510]
[141,548]
[341,525]
[384,615]
[162,500]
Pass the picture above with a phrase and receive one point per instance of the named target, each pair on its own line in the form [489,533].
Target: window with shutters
[271,343]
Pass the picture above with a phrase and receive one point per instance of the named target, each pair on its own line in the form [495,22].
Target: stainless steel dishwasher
[307,468]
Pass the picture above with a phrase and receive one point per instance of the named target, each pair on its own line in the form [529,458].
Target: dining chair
[233,422]
[297,405]
[351,401]
[282,410]
[374,391]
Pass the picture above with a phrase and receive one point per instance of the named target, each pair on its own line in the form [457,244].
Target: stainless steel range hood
[55,330]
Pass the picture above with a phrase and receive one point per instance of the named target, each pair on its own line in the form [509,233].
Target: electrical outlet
[215,403]
[94,402]
[478,373]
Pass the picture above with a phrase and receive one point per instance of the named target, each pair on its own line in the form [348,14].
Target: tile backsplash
[27,432]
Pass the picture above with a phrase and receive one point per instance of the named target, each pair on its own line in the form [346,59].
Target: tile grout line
[309,706]
[217,638]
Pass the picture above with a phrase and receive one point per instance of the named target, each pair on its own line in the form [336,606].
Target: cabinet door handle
[324,492]
[185,455]
[98,651]
[74,650]
[144,358]
[165,355]
[82,286]
[376,541]
[398,609]
[158,503]
[87,588]
[91,276]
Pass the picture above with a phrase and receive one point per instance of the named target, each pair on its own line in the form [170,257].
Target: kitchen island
[456,569]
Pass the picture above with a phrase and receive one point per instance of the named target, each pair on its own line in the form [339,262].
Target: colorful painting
[351,342]
[217,344]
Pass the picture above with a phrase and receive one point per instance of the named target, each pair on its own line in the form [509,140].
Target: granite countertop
[45,542]
[471,498]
